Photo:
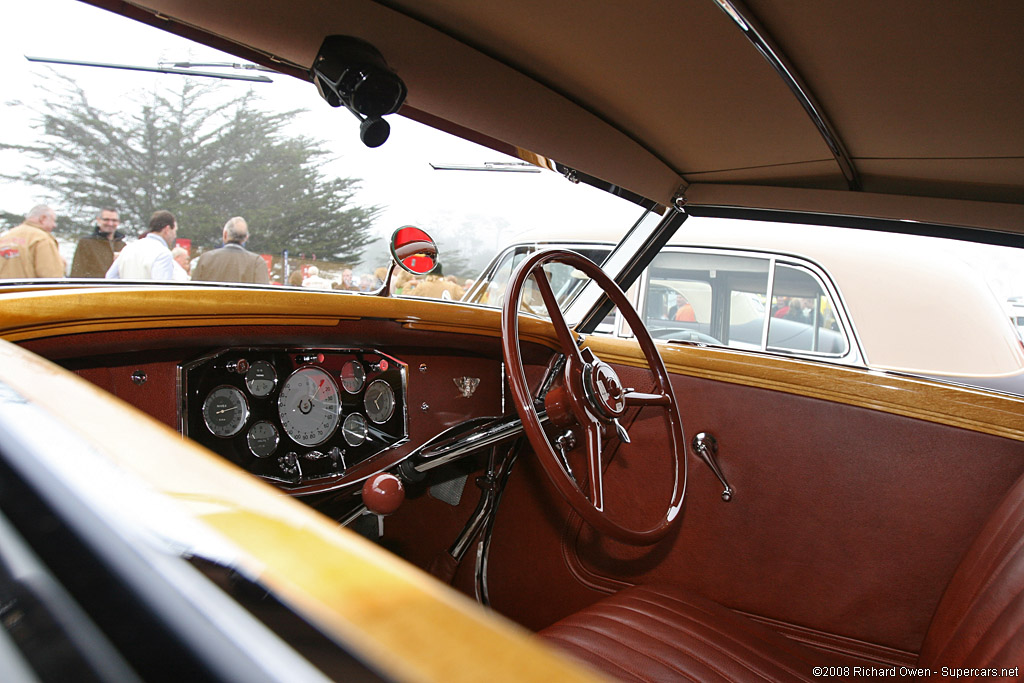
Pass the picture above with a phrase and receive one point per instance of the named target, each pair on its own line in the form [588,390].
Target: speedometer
[225,411]
[309,407]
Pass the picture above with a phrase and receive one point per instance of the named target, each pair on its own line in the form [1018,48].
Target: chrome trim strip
[466,438]
[760,39]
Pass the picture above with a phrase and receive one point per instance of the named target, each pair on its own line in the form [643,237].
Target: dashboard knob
[383,493]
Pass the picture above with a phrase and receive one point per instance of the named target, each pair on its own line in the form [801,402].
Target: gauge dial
[261,378]
[352,376]
[354,429]
[309,406]
[225,411]
[263,439]
[379,401]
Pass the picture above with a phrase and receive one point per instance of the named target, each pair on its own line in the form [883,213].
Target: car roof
[914,302]
[894,110]
[915,306]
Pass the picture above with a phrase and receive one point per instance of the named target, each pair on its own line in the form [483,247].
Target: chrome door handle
[706,447]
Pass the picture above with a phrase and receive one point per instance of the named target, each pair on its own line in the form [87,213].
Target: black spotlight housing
[350,71]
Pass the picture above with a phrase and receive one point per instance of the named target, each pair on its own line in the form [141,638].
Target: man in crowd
[232,262]
[95,253]
[150,257]
[30,250]
[182,264]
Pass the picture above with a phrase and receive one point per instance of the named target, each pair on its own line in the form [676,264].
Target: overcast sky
[397,175]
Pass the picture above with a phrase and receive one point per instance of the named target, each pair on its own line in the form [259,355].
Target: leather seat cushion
[657,633]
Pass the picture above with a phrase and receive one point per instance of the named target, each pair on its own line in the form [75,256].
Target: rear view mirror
[414,250]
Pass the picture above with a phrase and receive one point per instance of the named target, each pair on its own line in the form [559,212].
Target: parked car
[218,481]
[923,309]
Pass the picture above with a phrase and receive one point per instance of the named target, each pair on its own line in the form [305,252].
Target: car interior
[649,510]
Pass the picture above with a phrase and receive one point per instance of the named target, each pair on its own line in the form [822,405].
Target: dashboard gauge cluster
[294,415]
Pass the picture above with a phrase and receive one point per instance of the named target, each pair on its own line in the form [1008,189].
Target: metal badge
[467,385]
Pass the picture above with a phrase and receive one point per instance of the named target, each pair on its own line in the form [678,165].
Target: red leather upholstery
[980,620]
[657,633]
[651,633]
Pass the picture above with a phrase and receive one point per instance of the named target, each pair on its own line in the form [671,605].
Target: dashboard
[295,415]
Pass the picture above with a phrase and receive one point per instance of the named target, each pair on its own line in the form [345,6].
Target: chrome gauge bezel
[255,443]
[225,399]
[299,412]
[355,430]
[377,412]
[254,384]
[353,376]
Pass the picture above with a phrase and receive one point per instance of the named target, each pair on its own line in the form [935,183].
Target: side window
[707,297]
[724,299]
[802,315]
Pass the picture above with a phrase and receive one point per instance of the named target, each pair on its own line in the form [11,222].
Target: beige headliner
[924,94]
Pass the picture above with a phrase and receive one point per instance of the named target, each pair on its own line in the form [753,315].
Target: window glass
[566,281]
[803,318]
[707,297]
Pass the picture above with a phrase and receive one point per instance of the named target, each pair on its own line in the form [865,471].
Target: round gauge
[262,439]
[309,406]
[225,411]
[379,401]
[352,376]
[261,378]
[354,429]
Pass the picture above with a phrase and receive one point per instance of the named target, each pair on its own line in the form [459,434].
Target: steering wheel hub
[604,390]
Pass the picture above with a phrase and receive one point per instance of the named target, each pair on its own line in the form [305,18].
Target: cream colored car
[804,291]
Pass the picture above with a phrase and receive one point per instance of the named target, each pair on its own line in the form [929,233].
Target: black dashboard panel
[294,416]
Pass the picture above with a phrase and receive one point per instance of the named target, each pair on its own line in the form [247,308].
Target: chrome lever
[706,446]
[565,443]
[621,431]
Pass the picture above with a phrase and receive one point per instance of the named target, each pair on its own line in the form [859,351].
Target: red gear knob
[383,493]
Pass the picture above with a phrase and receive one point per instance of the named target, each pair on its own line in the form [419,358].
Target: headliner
[924,95]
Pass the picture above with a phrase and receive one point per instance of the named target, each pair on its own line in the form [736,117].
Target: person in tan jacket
[232,262]
[30,250]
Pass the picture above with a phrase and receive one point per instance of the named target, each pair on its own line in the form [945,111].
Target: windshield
[245,182]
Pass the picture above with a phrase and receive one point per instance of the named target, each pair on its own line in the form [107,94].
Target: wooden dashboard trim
[61,311]
[974,409]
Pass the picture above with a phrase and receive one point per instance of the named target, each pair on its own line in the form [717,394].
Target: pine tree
[203,158]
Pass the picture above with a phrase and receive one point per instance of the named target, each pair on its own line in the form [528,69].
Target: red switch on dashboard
[383,493]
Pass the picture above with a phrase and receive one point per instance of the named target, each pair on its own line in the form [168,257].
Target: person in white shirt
[150,257]
[182,266]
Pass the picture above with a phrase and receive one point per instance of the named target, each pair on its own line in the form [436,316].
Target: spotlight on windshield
[351,72]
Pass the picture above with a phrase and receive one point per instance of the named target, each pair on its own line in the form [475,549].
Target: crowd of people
[31,251]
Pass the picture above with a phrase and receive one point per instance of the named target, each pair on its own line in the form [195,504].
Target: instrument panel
[294,416]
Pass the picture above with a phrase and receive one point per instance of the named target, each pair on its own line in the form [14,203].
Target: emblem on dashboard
[467,385]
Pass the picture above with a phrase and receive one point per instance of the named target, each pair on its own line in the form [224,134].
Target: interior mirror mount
[351,72]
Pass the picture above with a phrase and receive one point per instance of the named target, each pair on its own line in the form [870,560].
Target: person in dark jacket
[232,262]
[95,253]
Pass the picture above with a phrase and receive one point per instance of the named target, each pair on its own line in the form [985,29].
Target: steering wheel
[589,396]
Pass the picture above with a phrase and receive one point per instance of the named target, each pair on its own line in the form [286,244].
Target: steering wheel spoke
[640,399]
[595,470]
[565,338]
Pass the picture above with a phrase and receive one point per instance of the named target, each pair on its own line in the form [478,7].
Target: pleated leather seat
[659,633]
[656,633]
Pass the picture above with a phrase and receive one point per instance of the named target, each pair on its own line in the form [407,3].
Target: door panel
[846,519]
